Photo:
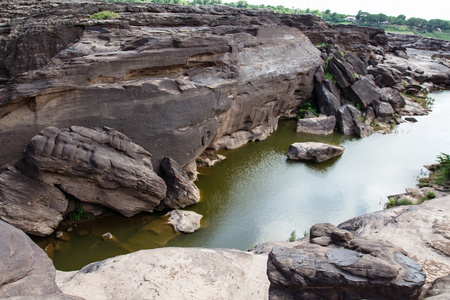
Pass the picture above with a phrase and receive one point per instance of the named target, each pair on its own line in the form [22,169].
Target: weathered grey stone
[328,230]
[327,97]
[394,97]
[346,116]
[363,268]
[419,226]
[364,92]
[25,270]
[342,71]
[320,125]
[358,65]
[171,273]
[387,77]
[32,206]
[181,192]
[383,110]
[184,221]
[312,151]
[440,290]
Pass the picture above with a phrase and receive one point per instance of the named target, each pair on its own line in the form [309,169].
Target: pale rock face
[184,221]
[171,273]
[312,151]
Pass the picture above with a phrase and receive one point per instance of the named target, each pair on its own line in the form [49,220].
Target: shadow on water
[255,195]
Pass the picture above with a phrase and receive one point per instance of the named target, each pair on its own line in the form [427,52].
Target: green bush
[431,195]
[405,201]
[392,202]
[293,236]
[103,15]
[303,108]
[78,213]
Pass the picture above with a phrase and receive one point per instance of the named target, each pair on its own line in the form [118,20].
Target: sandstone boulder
[312,151]
[184,221]
[350,269]
[321,125]
[383,110]
[328,97]
[25,269]
[171,273]
[394,98]
[342,71]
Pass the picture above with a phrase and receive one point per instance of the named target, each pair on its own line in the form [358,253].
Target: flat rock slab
[171,273]
[312,151]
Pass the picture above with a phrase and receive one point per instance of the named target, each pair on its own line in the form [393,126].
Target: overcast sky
[426,9]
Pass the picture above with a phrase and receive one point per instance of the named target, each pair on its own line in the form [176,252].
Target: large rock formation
[421,230]
[175,79]
[99,166]
[171,273]
[334,265]
[25,269]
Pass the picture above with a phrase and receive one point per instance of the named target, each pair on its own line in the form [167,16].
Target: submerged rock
[312,151]
[184,221]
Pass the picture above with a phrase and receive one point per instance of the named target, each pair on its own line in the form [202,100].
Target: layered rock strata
[175,79]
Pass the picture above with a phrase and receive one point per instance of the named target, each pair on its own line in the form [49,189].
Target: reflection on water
[256,195]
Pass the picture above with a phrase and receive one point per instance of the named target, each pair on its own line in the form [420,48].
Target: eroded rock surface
[171,273]
[346,267]
[313,151]
[175,79]
[321,125]
[420,230]
[25,269]
[99,166]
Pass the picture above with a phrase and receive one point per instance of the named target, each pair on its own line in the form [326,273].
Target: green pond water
[255,195]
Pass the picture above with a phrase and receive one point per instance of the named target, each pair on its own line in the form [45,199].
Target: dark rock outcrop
[313,151]
[364,92]
[349,268]
[181,192]
[25,269]
[396,40]
[350,122]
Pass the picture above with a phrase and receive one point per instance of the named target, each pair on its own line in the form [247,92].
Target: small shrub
[431,195]
[405,201]
[392,202]
[306,233]
[78,213]
[422,200]
[293,236]
[103,15]
[303,108]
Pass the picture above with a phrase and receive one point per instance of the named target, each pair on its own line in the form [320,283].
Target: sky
[425,9]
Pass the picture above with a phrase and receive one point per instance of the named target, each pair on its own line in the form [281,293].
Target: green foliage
[405,201]
[103,15]
[78,213]
[392,202]
[303,108]
[293,236]
[431,195]
[306,233]
[321,45]
[443,171]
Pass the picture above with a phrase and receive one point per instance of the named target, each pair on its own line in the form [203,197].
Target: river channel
[255,195]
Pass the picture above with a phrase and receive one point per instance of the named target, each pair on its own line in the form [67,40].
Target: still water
[256,195]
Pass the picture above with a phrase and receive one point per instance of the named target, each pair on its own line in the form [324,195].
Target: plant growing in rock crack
[103,15]
[305,107]
[78,213]
[392,202]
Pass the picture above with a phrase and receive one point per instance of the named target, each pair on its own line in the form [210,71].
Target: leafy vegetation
[103,15]
[394,202]
[293,236]
[305,107]
[78,213]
